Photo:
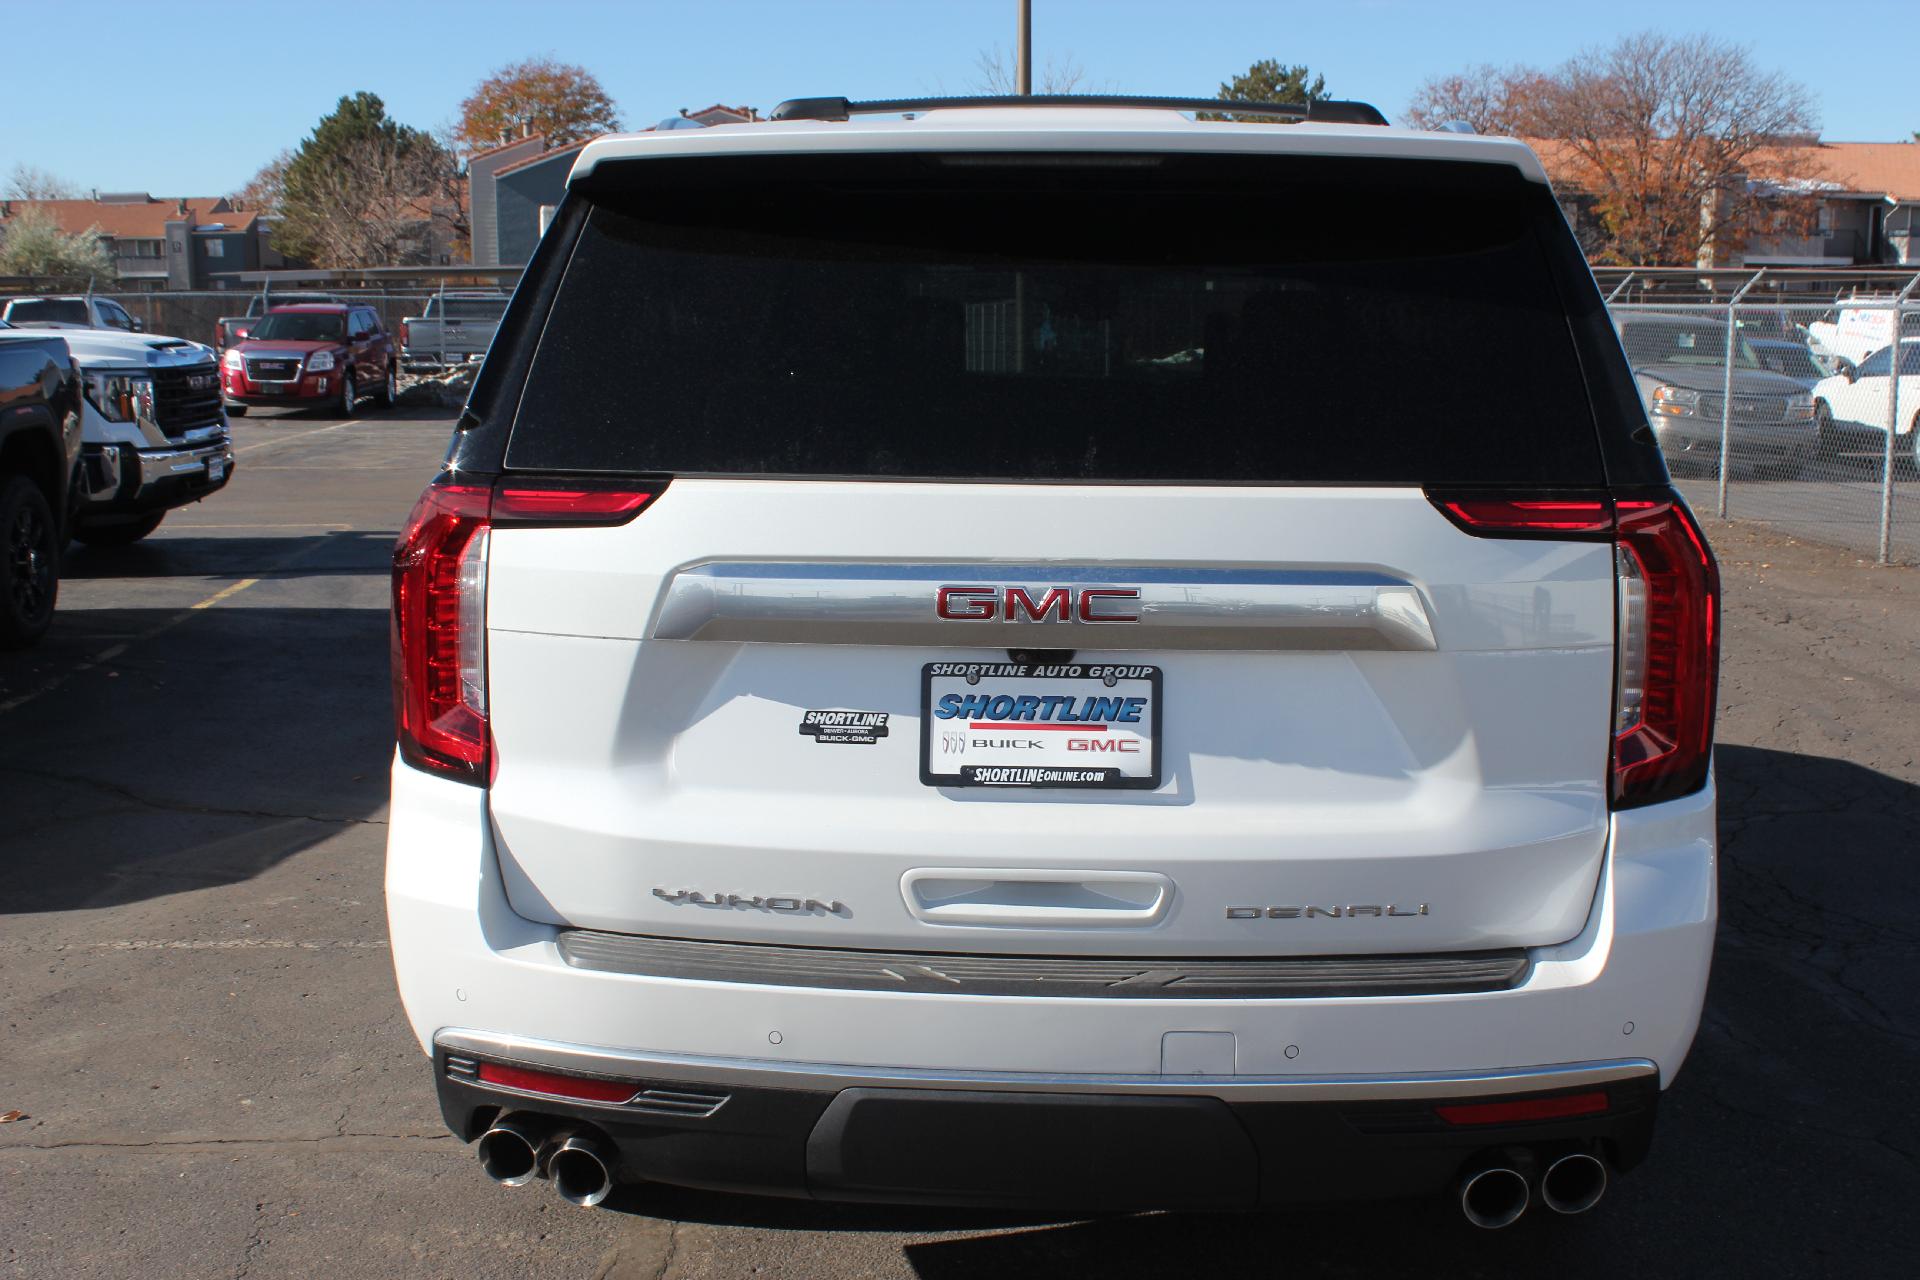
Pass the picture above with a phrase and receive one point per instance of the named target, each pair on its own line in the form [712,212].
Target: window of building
[216,248]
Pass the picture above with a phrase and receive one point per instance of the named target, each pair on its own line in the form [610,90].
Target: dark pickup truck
[39,454]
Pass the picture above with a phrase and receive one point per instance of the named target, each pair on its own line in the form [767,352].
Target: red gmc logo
[1017,604]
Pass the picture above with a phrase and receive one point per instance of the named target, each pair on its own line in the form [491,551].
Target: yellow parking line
[223,593]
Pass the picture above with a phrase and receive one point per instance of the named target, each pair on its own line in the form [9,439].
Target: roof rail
[1323,112]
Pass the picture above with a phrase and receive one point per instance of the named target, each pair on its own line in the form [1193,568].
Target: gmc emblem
[1017,604]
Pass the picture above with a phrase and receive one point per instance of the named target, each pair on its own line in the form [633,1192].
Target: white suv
[1022,655]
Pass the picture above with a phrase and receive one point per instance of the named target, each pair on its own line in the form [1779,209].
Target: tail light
[439,631]
[1667,652]
[406,334]
[1666,619]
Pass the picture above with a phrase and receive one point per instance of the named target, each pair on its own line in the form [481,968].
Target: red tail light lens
[439,630]
[1669,653]
[528,504]
[406,334]
[1667,624]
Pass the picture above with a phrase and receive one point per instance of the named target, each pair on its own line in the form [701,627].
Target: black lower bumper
[1052,1150]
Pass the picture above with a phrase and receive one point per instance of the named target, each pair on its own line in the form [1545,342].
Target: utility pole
[1023,53]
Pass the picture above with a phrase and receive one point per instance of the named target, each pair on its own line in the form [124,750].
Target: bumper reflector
[1520,1110]
[555,1084]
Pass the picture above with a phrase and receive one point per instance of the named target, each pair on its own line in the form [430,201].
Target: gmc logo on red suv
[1054,604]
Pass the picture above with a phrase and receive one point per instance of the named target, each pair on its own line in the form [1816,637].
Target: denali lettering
[1057,604]
[1330,913]
[789,905]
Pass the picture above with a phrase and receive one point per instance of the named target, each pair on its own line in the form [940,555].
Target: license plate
[1012,724]
[216,470]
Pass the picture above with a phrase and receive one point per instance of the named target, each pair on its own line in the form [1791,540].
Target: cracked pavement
[201,1026]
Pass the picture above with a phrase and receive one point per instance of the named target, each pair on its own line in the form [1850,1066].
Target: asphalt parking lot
[201,1026]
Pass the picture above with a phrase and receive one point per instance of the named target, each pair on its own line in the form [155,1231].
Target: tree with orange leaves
[561,102]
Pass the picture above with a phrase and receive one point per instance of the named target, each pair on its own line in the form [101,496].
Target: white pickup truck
[69,311]
[453,329]
[153,432]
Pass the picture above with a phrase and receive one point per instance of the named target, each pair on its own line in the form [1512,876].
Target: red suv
[314,355]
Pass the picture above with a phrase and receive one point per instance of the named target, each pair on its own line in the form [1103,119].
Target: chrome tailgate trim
[894,604]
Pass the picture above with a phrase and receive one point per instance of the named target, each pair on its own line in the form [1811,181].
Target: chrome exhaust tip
[1574,1183]
[510,1151]
[579,1167]
[1494,1196]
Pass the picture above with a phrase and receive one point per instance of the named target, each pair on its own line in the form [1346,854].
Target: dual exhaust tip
[1495,1193]
[519,1148]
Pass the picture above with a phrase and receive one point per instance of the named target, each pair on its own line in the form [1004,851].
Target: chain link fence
[1784,399]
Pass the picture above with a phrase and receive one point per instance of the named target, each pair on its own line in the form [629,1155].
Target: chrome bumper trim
[767,1073]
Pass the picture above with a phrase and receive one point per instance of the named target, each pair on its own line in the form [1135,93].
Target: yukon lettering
[755,902]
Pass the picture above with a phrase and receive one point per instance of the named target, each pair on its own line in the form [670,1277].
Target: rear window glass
[473,308]
[48,311]
[1139,318]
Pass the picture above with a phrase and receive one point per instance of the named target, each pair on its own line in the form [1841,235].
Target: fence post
[1895,356]
[1726,385]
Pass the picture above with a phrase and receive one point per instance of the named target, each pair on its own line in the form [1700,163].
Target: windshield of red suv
[301,326]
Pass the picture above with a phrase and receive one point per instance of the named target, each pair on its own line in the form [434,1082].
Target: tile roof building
[1865,199]
[180,243]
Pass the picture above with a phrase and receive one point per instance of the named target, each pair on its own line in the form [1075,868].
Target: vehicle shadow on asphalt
[213,745]
[356,551]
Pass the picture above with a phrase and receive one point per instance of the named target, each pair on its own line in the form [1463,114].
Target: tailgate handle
[1010,897]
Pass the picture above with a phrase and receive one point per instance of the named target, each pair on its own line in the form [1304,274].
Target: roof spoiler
[1324,112]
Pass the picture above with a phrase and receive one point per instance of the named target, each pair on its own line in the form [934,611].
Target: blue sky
[272,68]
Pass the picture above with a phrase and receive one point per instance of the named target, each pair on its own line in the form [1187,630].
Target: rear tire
[118,535]
[389,390]
[29,563]
[236,411]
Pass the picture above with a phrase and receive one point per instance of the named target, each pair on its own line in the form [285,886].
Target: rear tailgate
[1387,740]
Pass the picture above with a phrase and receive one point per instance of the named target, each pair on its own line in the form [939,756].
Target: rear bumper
[1626,990]
[845,1133]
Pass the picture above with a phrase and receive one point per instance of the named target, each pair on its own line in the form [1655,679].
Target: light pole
[1023,52]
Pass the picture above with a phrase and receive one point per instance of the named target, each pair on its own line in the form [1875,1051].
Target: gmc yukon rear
[1055,675]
